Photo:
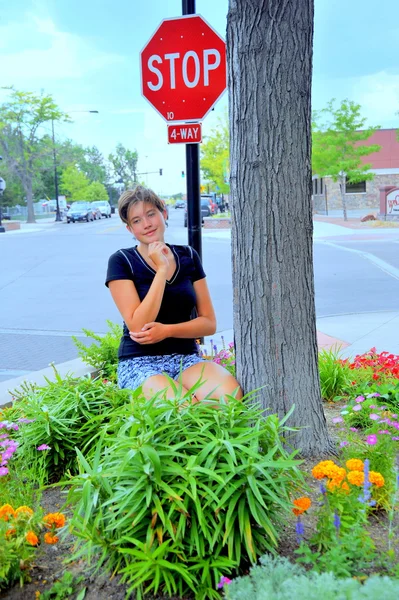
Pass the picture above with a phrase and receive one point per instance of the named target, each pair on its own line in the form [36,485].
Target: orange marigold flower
[32,538]
[338,474]
[319,471]
[57,519]
[345,487]
[301,504]
[10,532]
[24,510]
[50,539]
[356,478]
[6,511]
[376,478]
[355,464]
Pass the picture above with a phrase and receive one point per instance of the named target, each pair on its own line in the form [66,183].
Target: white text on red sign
[184,65]
[185,134]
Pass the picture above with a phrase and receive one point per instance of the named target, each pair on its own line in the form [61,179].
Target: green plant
[335,375]
[64,588]
[183,494]
[278,579]
[64,415]
[102,355]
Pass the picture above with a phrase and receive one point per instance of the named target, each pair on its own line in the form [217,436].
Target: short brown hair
[132,197]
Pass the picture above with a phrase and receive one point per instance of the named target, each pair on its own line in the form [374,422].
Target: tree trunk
[342,187]
[269,69]
[29,201]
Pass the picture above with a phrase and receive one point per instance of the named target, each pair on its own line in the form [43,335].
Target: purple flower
[366,498]
[371,439]
[231,345]
[359,399]
[384,431]
[374,417]
[43,447]
[323,488]
[353,428]
[357,407]
[337,420]
[23,420]
[337,521]
[3,471]
[300,530]
[343,444]
[223,581]
[395,438]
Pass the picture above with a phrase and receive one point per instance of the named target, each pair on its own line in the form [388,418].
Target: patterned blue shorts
[132,372]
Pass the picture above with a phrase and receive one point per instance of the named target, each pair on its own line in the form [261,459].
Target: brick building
[365,194]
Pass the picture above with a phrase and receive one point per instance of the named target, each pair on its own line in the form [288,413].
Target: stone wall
[11,225]
[217,223]
[370,199]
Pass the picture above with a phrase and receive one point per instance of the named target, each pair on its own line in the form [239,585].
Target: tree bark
[342,187]
[269,71]
[29,201]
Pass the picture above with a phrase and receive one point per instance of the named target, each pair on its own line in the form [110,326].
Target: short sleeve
[198,270]
[119,267]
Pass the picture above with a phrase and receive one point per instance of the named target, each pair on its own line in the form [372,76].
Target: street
[52,283]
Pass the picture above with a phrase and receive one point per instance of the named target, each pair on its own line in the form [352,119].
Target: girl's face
[146,223]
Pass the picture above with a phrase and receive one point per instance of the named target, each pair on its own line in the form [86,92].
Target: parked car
[205,211]
[212,203]
[4,216]
[104,206]
[80,211]
[96,212]
[180,204]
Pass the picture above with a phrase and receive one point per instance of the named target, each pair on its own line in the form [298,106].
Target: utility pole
[57,215]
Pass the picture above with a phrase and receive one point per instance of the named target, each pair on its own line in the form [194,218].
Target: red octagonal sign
[183,68]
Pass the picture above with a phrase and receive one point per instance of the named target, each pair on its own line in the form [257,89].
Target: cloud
[48,54]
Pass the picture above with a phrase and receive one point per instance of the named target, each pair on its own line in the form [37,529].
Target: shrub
[278,579]
[335,375]
[102,355]
[183,494]
[68,413]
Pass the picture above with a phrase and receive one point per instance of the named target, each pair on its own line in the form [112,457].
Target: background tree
[124,165]
[21,133]
[74,184]
[215,156]
[96,191]
[269,46]
[336,133]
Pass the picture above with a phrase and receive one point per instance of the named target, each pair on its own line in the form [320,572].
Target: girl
[156,286]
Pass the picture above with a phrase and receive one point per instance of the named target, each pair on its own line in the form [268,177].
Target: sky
[86,54]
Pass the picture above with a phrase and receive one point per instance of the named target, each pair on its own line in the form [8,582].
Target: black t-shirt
[178,300]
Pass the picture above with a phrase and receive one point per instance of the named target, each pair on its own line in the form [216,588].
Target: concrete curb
[75,367]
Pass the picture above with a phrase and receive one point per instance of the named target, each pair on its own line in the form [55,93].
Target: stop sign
[183,68]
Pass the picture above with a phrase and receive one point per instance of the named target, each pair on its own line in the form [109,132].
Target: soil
[356,223]
[49,566]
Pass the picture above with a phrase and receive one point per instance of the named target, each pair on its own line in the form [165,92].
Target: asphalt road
[52,284]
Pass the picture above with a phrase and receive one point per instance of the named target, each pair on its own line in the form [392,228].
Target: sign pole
[194,221]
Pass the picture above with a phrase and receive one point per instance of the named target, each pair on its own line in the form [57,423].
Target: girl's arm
[135,313]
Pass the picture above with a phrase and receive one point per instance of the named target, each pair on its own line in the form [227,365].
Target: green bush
[278,579]
[102,355]
[183,494]
[65,414]
[335,375]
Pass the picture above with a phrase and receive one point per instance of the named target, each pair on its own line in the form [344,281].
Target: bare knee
[159,383]
[217,381]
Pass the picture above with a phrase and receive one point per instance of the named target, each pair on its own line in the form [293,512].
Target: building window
[317,187]
[355,188]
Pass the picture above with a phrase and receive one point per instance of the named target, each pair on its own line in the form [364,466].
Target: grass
[381,224]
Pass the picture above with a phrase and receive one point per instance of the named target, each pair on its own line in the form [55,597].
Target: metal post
[57,215]
[2,229]
[194,220]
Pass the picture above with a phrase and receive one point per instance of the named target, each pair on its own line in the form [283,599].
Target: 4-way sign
[183,68]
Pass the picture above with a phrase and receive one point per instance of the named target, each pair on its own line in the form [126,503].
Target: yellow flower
[376,478]
[24,510]
[321,469]
[302,505]
[355,464]
[356,478]
[50,539]
[32,538]
[56,519]
[6,511]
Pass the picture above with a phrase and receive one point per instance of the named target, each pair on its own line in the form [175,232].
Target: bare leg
[217,381]
[158,383]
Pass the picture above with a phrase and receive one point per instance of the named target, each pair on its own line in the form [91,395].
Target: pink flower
[3,471]
[337,420]
[343,444]
[384,431]
[223,581]
[43,447]
[374,417]
[371,439]
[353,428]
[359,399]
[357,407]
[395,438]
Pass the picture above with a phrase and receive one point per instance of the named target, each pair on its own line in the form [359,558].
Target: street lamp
[2,188]
[58,214]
